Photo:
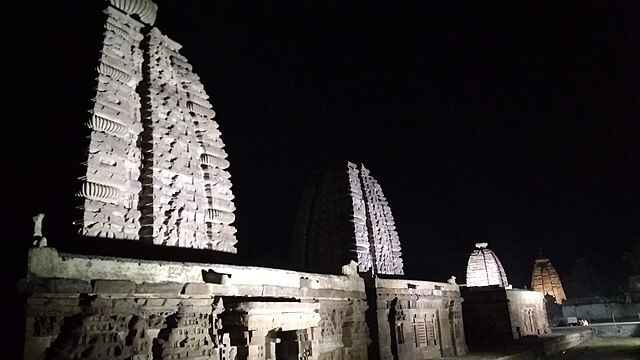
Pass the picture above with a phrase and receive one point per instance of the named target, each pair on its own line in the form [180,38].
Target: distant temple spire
[345,216]
[484,268]
[545,280]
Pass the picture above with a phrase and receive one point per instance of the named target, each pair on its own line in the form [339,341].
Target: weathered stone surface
[196,289]
[545,280]
[109,190]
[47,262]
[346,217]
[418,319]
[159,288]
[495,316]
[53,285]
[319,314]
[484,268]
[188,191]
[113,287]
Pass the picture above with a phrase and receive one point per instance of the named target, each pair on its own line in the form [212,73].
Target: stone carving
[38,238]
[351,269]
[156,167]
[145,9]
[387,251]
[191,333]
[86,336]
[190,200]
[361,233]
[452,280]
[418,320]
[109,190]
[484,268]
[334,229]
[545,280]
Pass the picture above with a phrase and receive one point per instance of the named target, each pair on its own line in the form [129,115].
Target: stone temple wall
[118,308]
[495,316]
[418,320]
[546,280]
[156,165]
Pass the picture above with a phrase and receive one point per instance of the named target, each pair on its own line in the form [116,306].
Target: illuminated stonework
[344,217]
[156,169]
[545,280]
[484,268]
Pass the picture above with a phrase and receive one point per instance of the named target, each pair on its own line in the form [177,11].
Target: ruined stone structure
[496,316]
[484,268]
[418,319]
[156,167]
[545,280]
[345,216]
[81,307]
[156,173]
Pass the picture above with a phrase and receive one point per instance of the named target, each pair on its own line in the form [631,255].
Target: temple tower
[345,216]
[484,268]
[156,169]
[545,280]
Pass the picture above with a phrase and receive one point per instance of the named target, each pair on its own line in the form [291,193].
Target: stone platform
[536,348]
[119,308]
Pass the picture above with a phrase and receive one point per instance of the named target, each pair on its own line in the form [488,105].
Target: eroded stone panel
[418,320]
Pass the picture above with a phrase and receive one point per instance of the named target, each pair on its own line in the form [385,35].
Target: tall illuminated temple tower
[545,280]
[345,216]
[156,169]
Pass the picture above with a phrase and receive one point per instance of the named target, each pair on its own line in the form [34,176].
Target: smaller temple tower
[484,268]
[545,280]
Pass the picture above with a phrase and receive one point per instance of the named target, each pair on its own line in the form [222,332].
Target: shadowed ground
[610,348]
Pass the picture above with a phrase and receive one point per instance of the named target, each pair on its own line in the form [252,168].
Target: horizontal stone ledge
[113,287]
[162,288]
[46,262]
[55,285]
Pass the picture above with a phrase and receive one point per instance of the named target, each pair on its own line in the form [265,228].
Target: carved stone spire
[156,165]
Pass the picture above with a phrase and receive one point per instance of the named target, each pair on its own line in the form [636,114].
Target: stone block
[196,289]
[56,285]
[212,277]
[155,302]
[164,288]
[113,287]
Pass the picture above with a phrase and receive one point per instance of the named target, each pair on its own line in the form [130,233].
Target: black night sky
[517,125]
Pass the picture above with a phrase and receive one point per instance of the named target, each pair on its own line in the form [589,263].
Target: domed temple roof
[484,268]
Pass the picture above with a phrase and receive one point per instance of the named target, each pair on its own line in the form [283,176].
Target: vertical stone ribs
[361,234]
[108,194]
[187,186]
[386,249]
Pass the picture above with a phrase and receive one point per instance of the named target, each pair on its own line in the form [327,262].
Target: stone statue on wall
[38,237]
